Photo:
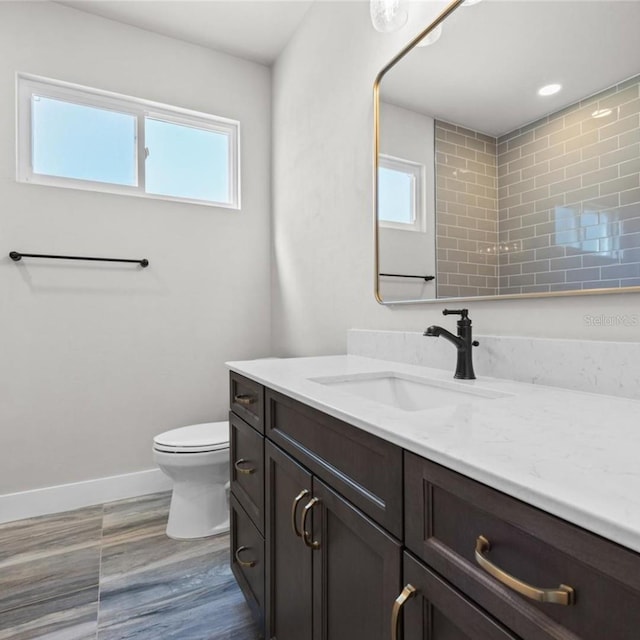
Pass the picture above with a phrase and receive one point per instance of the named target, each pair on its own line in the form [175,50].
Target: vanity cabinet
[339,535]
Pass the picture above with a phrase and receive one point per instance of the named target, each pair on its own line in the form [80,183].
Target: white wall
[322,195]
[409,135]
[96,360]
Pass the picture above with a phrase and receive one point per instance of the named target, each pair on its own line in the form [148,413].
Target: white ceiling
[483,73]
[253,29]
[485,70]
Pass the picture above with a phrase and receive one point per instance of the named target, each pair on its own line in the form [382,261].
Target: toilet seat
[196,438]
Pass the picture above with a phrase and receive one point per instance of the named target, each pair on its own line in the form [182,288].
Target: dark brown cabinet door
[438,611]
[247,559]
[288,583]
[356,571]
[247,469]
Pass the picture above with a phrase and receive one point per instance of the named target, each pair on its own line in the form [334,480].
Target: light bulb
[387,15]
[431,37]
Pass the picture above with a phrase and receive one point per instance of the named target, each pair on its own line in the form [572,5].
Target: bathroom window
[83,138]
[400,189]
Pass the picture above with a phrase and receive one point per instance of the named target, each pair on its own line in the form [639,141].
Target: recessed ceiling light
[601,113]
[431,37]
[549,89]
[468,3]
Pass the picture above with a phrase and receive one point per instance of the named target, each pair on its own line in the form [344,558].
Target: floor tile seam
[162,573]
[58,596]
[100,570]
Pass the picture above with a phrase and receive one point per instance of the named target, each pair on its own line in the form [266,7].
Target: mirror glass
[508,154]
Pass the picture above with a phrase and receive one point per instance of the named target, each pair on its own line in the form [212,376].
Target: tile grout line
[100,572]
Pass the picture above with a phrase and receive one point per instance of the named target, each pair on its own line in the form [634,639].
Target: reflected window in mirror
[400,185]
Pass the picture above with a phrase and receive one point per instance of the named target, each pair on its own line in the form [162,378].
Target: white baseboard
[66,497]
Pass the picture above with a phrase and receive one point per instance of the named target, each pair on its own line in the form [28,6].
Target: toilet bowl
[196,458]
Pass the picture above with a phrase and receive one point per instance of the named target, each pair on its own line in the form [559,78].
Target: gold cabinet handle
[245,399]
[244,563]
[407,593]
[294,508]
[244,470]
[562,595]
[306,536]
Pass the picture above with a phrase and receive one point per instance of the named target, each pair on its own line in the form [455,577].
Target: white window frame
[27,85]
[418,209]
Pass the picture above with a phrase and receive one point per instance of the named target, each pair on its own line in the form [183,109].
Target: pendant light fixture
[388,15]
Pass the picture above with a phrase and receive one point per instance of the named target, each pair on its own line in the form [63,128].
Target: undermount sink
[409,393]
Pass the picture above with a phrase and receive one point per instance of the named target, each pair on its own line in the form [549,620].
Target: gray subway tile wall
[466,212]
[560,208]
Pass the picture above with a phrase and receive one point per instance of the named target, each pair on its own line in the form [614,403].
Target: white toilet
[196,458]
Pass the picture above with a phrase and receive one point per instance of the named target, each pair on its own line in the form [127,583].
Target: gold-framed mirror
[507,154]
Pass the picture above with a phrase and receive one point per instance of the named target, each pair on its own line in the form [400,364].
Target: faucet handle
[460,312]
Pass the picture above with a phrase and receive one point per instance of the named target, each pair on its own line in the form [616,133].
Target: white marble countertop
[573,454]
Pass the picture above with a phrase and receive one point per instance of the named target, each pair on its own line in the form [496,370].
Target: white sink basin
[409,393]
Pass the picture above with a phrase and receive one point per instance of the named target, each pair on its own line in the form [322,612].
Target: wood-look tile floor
[110,573]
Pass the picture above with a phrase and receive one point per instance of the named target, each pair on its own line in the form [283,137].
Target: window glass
[81,142]
[186,162]
[396,196]
[86,138]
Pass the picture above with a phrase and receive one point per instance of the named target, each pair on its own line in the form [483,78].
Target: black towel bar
[17,255]
[398,275]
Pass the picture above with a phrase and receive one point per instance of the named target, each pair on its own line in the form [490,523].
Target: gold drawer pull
[294,508]
[562,595]
[244,563]
[306,536]
[244,470]
[245,399]
[407,593]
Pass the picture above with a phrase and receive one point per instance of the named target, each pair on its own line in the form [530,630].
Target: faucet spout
[436,331]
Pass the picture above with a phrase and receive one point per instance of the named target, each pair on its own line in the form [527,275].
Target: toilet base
[216,531]
[198,511]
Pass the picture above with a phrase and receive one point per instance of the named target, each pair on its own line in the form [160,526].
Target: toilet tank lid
[195,435]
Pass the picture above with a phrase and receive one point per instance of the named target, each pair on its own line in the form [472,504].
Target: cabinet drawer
[438,611]
[446,512]
[247,400]
[247,469]
[247,559]
[363,468]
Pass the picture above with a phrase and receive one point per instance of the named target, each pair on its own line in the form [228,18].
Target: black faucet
[463,342]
